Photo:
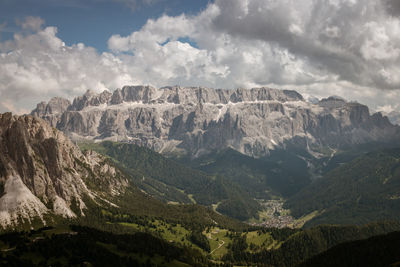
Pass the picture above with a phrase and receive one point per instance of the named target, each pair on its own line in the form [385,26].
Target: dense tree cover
[280,234]
[75,245]
[237,250]
[382,250]
[90,247]
[304,244]
[196,237]
[283,172]
[365,189]
[135,206]
[349,153]
[235,208]
[169,180]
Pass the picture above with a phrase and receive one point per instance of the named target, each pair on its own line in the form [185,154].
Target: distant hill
[362,190]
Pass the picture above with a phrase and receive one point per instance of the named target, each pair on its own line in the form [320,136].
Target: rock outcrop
[200,120]
[43,173]
[53,110]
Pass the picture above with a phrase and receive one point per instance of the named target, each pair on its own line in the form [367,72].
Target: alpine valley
[193,176]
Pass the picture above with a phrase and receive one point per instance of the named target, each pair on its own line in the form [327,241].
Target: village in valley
[274,215]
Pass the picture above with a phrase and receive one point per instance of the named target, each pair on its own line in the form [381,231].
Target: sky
[347,48]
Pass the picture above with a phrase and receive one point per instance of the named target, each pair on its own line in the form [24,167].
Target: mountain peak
[43,173]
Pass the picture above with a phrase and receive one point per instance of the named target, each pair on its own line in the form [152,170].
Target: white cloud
[386,108]
[37,66]
[380,45]
[296,42]
[348,48]
[153,34]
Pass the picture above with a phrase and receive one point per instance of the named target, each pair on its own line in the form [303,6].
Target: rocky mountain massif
[45,178]
[196,121]
[42,173]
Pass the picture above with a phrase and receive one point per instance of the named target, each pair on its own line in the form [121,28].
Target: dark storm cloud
[393,7]
[338,36]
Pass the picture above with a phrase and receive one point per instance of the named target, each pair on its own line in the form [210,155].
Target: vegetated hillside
[282,173]
[169,180]
[292,247]
[382,250]
[348,153]
[83,246]
[173,245]
[365,189]
[135,205]
[46,179]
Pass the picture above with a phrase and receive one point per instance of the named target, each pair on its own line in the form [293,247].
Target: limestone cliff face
[200,120]
[53,110]
[43,172]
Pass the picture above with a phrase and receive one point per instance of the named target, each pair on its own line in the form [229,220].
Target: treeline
[303,244]
[76,245]
[363,190]
[281,173]
[136,207]
[199,239]
[382,250]
[88,246]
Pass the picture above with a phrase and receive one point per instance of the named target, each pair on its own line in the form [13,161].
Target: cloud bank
[349,48]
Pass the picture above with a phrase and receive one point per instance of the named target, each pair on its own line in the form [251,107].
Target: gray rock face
[198,120]
[90,98]
[53,110]
[43,173]
[393,116]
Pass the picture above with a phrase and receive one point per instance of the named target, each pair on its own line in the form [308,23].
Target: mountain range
[258,142]
[45,178]
[196,121]
[185,172]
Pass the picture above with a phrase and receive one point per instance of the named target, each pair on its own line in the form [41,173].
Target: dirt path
[219,246]
[209,236]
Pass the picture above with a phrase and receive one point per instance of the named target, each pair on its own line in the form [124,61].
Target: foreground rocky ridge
[43,173]
[198,120]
